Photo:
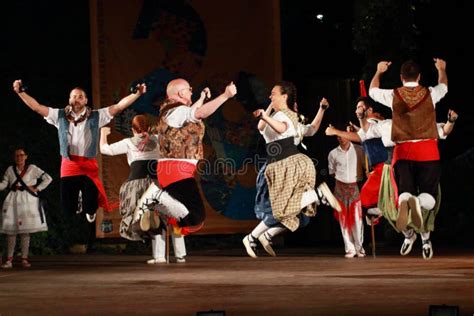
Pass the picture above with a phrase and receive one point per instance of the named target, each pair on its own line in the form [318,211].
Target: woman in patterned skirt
[288,178]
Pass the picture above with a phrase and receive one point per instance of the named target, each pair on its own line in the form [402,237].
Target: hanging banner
[209,43]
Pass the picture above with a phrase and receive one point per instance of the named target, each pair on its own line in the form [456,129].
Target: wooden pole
[168,243]
[373,236]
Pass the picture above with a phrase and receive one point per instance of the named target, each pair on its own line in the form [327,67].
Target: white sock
[374,211]
[258,230]
[403,197]
[273,231]
[425,236]
[156,245]
[408,233]
[427,201]
[309,197]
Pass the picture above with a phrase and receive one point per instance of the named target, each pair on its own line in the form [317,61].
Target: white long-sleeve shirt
[346,165]
[385,96]
[126,146]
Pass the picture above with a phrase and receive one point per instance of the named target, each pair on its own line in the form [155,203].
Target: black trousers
[187,192]
[418,177]
[69,192]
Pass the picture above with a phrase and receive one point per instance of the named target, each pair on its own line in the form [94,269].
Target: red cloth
[83,166]
[171,171]
[348,215]
[347,194]
[369,194]
[183,231]
[362,90]
[424,150]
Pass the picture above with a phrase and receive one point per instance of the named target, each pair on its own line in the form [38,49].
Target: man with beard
[78,130]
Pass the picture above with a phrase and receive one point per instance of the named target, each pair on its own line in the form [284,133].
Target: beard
[77,107]
[362,115]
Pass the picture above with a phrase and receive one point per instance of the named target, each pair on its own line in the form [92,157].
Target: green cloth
[389,210]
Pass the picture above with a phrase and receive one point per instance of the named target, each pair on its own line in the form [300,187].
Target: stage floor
[297,282]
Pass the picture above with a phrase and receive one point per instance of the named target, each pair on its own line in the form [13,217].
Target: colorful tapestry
[209,43]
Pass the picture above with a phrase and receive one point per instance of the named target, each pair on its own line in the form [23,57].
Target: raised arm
[115,109]
[381,68]
[205,93]
[210,107]
[277,126]
[104,132]
[440,64]
[29,100]
[258,114]
[448,127]
[316,123]
[114,149]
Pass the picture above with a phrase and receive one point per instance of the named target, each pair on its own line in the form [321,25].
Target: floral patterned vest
[182,143]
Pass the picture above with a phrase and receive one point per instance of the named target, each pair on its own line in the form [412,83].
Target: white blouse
[125,146]
[270,135]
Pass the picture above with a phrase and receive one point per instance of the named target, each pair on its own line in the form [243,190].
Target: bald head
[179,90]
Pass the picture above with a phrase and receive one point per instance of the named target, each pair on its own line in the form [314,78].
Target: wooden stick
[168,227]
[373,236]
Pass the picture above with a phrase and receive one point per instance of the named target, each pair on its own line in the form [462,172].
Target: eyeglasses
[189,88]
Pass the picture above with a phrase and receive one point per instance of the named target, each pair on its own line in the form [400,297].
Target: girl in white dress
[22,212]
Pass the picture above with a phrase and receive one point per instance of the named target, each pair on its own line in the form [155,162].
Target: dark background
[46,43]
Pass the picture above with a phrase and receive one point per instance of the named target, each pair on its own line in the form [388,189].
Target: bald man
[181,132]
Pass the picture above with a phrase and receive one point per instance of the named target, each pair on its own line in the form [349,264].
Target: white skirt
[21,214]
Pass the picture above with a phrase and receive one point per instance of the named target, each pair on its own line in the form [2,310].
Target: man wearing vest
[78,130]
[416,156]
[181,132]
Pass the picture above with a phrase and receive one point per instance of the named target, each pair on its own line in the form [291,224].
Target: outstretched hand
[324,104]
[452,116]
[17,84]
[440,64]
[330,130]
[206,93]
[105,131]
[382,66]
[230,90]
[140,88]
[258,114]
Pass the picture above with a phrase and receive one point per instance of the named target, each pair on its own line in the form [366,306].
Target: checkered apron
[287,179]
